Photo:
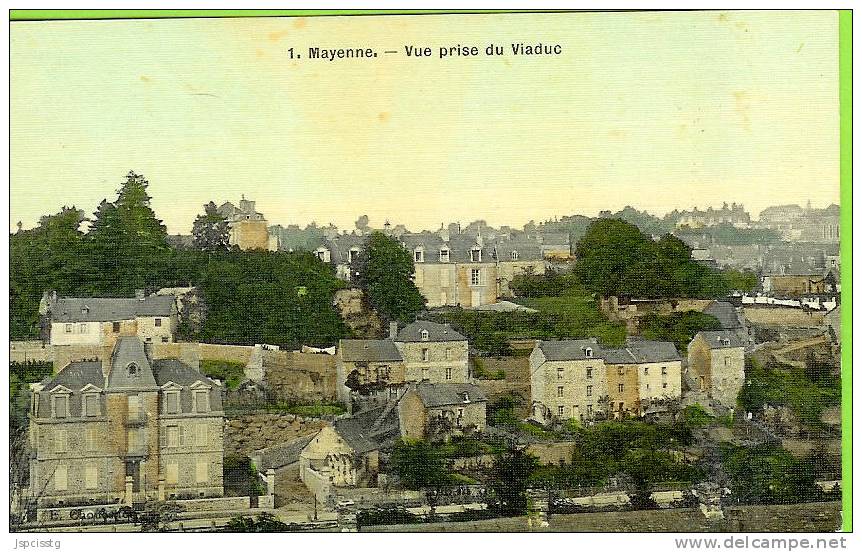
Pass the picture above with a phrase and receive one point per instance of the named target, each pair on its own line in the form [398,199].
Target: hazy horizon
[657,110]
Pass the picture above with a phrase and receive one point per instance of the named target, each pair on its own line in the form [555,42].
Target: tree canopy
[210,230]
[385,274]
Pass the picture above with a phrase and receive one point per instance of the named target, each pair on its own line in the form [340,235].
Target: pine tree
[210,230]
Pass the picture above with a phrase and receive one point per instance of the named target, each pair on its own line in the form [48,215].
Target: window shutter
[182,438]
[163,438]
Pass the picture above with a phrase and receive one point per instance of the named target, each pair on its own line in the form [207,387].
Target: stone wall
[783,316]
[23,351]
[254,432]
[304,377]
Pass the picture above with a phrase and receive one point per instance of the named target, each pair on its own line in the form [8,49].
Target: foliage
[768,474]
[727,234]
[155,515]
[741,280]
[418,464]
[265,523]
[551,283]
[678,327]
[782,385]
[480,372]
[501,412]
[385,516]
[231,373]
[461,447]
[210,230]
[385,274]
[694,415]
[648,224]
[316,410]
[509,479]
[616,258]
[241,477]
[574,315]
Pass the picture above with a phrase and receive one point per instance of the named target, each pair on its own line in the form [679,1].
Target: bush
[385,516]
[231,373]
[695,416]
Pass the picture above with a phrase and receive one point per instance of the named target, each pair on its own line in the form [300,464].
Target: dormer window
[351,255]
[444,255]
[132,369]
[514,255]
[172,402]
[201,400]
[91,404]
[424,335]
[419,256]
[60,405]
[476,255]
[588,352]
[466,397]
[69,328]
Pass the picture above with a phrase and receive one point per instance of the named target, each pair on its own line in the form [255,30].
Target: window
[589,409]
[61,477]
[559,390]
[172,402]
[134,405]
[561,410]
[172,473]
[425,355]
[91,477]
[620,388]
[726,361]
[560,373]
[91,439]
[158,322]
[82,328]
[646,370]
[475,277]
[589,390]
[69,328]
[132,368]
[149,340]
[424,335]
[132,441]
[476,255]
[91,404]
[664,386]
[201,471]
[60,405]
[36,397]
[424,374]
[116,327]
[351,255]
[621,370]
[165,340]
[173,436]
[448,354]
[664,370]
[622,406]
[588,352]
[589,373]
[419,256]
[393,392]
[61,440]
[444,255]
[201,435]
[449,373]
[514,255]
[202,401]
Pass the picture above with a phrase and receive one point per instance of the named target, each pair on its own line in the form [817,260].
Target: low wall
[23,351]
[120,513]
[552,453]
[319,485]
[306,377]
[783,316]
[216,504]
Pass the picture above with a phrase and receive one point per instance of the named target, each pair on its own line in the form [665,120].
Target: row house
[716,364]
[379,369]
[450,270]
[126,431]
[582,380]
[100,321]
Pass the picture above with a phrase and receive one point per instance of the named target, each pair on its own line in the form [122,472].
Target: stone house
[582,380]
[450,269]
[421,351]
[441,410]
[125,430]
[248,227]
[804,282]
[100,321]
[716,363]
[347,453]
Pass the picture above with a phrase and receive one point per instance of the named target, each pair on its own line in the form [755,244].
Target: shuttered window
[61,478]
[172,473]
[91,477]
[201,471]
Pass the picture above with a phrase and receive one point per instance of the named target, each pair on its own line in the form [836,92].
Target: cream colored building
[130,430]
[99,321]
[248,227]
[441,410]
[716,363]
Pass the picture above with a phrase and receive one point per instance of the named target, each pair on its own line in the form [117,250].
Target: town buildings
[100,321]
[716,364]
[734,215]
[379,369]
[442,410]
[582,380]
[126,430]
[248,227]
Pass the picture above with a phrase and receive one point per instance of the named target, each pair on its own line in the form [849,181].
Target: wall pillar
[128,490]
[270,482]
[161,489]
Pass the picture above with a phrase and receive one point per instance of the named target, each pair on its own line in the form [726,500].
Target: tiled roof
[128,351]
[103,309]
[445,394]
[436,332]
[76,375]
[369,350]
[645,350]
[725,313]
[370,429]
[721,339]
[182,374]
[571,349]
[636,351]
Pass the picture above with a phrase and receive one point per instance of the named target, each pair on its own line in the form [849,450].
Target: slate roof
[182,374]
[645,350]
[369,350]
[716,339]
[725,313]
[445,394]
[618,356]
[502,306]
[436,332]
[127,351]
[76,375]
[103,309]
[554,238]
[340,246]
[571,349]
[370,429]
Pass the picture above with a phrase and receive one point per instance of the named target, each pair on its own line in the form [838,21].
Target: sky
[654,110]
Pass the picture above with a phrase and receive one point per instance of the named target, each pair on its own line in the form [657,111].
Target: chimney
[139,294]
[393,330]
